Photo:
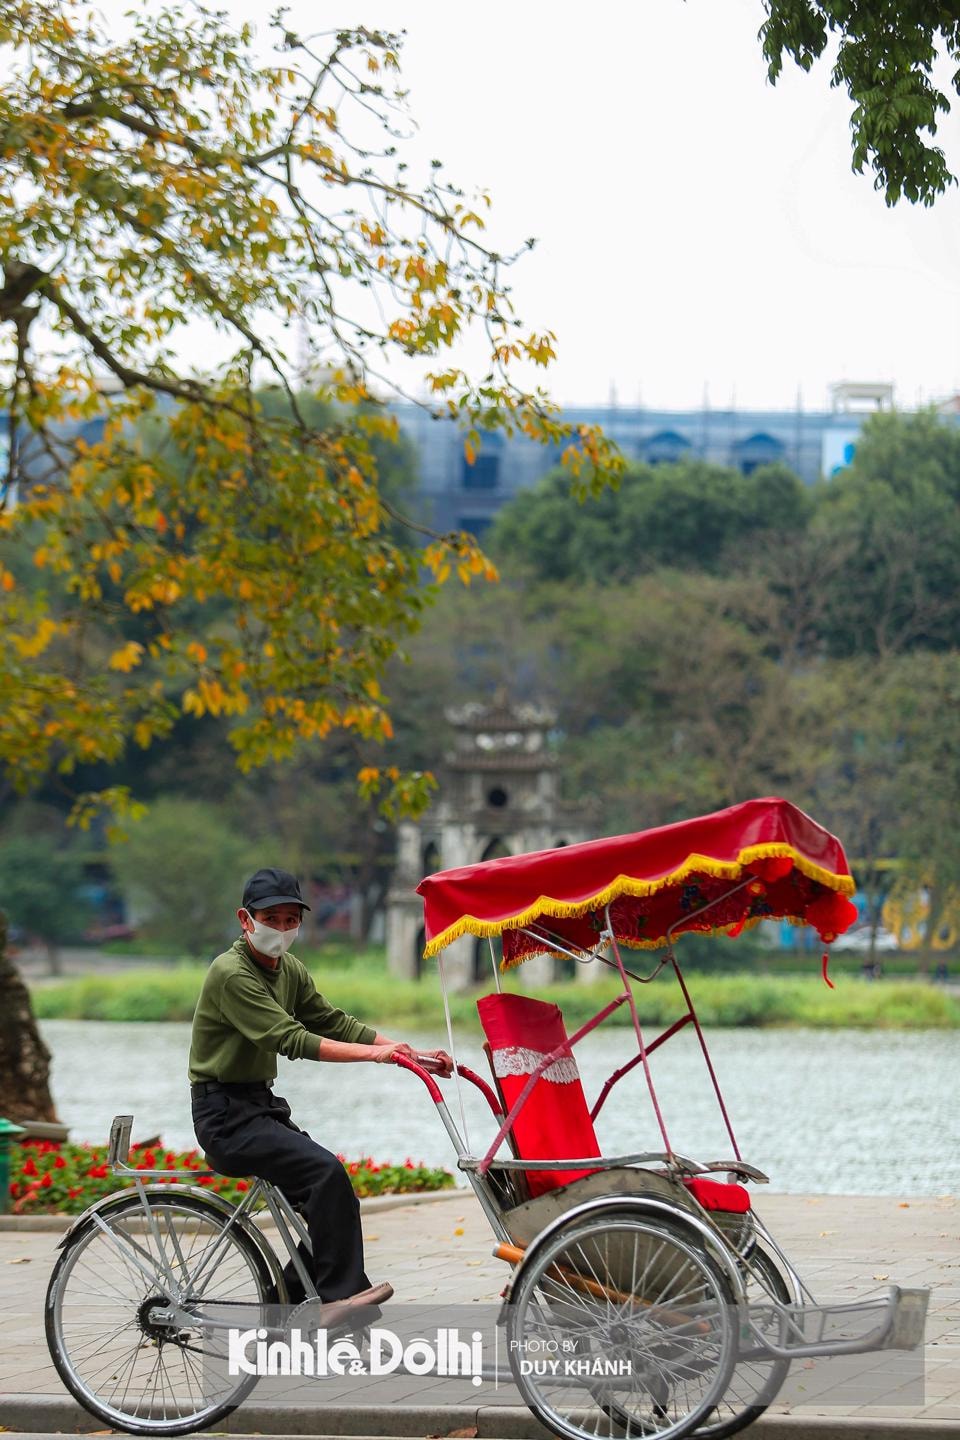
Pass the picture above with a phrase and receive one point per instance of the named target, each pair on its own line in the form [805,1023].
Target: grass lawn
[358,981]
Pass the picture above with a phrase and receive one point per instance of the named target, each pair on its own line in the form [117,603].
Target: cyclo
[669,1303]
[678,1310]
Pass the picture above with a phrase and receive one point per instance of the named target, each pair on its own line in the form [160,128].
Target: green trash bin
[8,1136]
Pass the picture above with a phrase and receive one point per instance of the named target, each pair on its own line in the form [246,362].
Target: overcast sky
[699,230]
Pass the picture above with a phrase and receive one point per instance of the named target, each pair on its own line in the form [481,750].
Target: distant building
[454,495]
[499,796]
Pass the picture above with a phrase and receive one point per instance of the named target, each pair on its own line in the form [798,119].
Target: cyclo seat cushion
[715,1195]
[554,1123]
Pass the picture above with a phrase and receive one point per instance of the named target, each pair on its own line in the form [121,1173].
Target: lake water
[831,1112]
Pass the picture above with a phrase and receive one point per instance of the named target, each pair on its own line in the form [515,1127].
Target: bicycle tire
[123,1293]
[677,1338]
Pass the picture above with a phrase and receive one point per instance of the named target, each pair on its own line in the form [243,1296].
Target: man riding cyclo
[259,1001]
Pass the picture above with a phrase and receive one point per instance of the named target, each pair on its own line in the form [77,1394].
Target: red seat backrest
[554,1123]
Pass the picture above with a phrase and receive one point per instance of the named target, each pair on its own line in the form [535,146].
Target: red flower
[60,1163]
[30,1167]
[47,1181]
[14,1189]
[74,1191]
[98,1172]
[243,1185]
[149,1161]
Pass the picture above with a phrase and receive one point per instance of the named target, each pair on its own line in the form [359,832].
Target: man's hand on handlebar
[438,1062]
[386,1054]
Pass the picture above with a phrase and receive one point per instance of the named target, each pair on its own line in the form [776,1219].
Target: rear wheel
[104,1315]
[619,1324]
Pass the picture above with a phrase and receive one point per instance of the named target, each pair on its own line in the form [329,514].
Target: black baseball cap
[272,887]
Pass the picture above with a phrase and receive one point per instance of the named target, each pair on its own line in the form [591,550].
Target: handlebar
[406,1063]
[426,1067]
[428,1063]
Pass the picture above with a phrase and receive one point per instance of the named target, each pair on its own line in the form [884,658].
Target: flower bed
[47,1177]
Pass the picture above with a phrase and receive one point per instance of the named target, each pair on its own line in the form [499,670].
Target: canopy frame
[645,1050]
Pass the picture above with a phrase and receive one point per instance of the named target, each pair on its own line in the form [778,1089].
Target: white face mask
[269,941]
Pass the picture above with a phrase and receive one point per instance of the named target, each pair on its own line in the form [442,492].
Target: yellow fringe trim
[626,885]
[636,944]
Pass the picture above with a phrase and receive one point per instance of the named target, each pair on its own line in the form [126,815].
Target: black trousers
[248,1131]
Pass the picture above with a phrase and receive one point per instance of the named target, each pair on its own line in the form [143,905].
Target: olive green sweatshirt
[247,1015]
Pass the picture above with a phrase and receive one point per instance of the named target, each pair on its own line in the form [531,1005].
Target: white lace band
[518,1060]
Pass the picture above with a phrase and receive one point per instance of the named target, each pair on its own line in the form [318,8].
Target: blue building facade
[455,495]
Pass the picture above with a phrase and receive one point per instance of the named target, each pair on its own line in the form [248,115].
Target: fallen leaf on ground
[20,1260]
[881,1277]
[904,1205]
[458,1230]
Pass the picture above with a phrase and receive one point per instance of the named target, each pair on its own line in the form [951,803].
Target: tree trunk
[24,1059]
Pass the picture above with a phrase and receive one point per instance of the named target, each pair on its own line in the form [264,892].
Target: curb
[31,1414]
[368,1206]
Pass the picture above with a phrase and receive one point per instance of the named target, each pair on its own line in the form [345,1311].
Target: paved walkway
[440,1255]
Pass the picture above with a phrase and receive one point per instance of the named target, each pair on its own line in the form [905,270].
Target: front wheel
[754,1383]
[111,1346]
[621,1320]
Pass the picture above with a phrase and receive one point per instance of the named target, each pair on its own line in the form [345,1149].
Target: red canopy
[796,870]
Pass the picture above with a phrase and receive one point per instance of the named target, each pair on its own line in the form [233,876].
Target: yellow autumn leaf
[127,657]
[30,646]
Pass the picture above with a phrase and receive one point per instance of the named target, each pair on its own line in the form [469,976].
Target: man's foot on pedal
[354,1312]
